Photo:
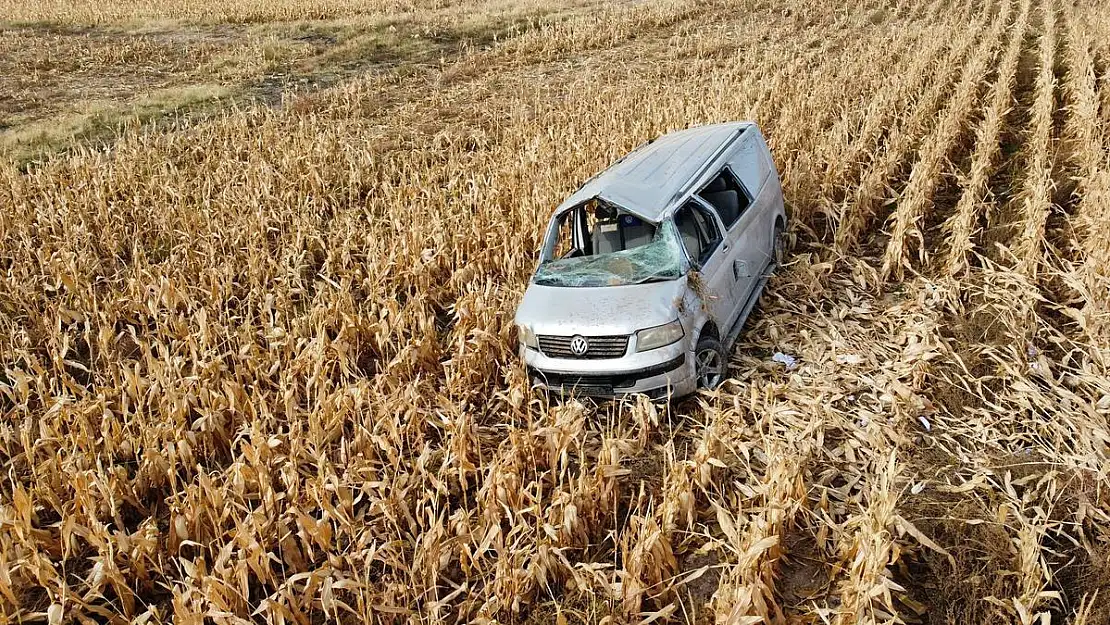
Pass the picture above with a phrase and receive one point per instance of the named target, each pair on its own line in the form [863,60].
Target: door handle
[740,269]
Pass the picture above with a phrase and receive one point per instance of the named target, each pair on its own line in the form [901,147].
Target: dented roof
[659,175]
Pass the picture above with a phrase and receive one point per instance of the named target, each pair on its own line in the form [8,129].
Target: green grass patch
[98,120]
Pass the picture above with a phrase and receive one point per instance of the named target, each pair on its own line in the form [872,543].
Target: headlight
[659,336]
[526,336]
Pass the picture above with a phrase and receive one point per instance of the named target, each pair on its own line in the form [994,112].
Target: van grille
[599,346]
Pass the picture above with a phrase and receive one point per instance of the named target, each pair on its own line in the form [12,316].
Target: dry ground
[259,367]
[79,73]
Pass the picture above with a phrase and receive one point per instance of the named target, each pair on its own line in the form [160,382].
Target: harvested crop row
[206,11]
[598,30]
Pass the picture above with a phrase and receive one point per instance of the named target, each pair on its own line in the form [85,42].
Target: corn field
[262,367]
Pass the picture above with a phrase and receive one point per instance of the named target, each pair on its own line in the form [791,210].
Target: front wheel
[710,363]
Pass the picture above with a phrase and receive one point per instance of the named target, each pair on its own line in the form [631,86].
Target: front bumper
[658,373]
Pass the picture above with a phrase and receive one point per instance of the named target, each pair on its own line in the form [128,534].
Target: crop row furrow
[862,137]
[858,209]
[848,87]
[1088,138]
[915,198]
[959,228]
[802,169]
[1036,192]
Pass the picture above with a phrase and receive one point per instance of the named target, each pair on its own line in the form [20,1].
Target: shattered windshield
[597,244]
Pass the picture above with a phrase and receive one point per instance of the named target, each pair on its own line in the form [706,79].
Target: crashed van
[648,272]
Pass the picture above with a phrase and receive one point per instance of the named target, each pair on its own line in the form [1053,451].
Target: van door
[751,164]
[703,239]
[732,203]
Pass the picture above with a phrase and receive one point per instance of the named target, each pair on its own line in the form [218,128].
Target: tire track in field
[871,585]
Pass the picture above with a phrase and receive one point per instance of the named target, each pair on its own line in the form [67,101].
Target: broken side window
[698,230]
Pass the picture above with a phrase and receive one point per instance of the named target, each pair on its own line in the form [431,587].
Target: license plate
[586,389]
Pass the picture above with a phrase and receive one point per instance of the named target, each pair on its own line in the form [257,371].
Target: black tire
[710,362]
[778,244]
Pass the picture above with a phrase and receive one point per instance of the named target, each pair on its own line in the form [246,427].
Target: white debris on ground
[848,359]
[786,359]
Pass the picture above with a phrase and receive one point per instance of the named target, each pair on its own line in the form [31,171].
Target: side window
[727,195]
[700,234]
[750,163]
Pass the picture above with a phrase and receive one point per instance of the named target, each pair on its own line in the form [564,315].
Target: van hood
[600,311]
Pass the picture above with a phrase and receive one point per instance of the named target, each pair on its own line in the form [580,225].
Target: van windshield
[597,244]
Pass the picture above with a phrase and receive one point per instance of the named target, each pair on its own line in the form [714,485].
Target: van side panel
[776,199]
[751,161]
[765,152]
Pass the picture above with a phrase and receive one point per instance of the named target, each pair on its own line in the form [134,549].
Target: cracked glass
[597,245]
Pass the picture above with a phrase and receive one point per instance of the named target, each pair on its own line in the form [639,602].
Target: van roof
[659,175]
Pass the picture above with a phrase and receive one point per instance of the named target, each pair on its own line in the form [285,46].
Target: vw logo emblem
[579,345]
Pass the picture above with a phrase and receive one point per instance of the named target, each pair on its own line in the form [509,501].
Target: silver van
[648,272]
